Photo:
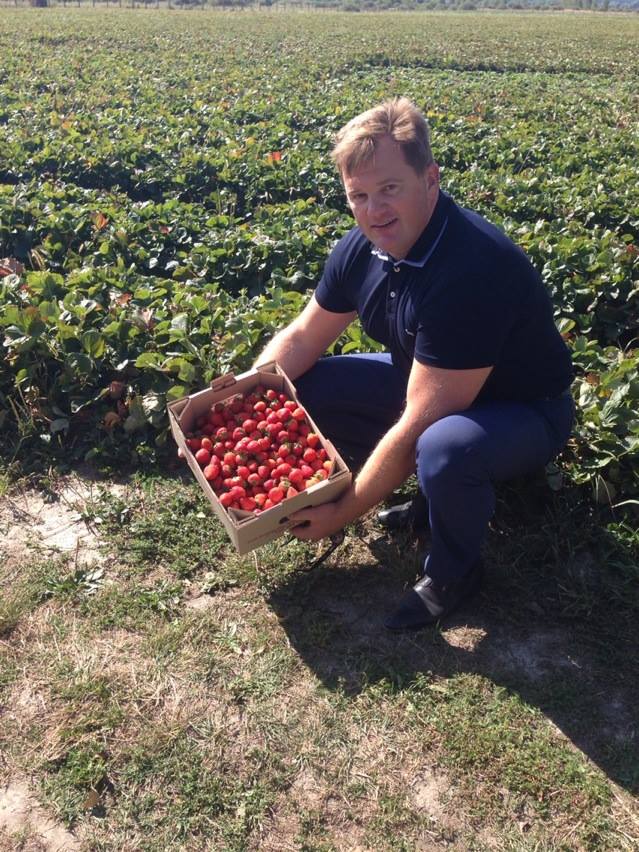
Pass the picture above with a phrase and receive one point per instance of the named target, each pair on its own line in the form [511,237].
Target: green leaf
[93,343]
[150,360]
[137,418]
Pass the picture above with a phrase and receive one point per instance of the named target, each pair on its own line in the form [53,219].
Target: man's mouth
[383,225]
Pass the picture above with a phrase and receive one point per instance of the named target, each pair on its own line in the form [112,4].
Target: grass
[175,695]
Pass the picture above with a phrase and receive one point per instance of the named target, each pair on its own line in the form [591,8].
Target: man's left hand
[318,521]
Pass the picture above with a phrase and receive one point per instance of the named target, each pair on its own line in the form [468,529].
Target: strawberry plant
[161,214]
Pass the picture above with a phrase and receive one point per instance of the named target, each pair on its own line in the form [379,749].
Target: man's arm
[432,393]
[298,346]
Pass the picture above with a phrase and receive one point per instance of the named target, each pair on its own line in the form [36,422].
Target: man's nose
[375,205]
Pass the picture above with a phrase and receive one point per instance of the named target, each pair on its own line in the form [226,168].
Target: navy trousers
[355,399]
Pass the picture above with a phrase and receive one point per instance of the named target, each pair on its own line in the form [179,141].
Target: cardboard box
[247,530]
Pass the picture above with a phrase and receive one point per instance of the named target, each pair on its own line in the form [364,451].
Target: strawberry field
[167,201]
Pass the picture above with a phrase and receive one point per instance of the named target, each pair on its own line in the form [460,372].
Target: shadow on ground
[573,656]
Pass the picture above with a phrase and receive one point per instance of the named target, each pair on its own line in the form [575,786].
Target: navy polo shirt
[464,297]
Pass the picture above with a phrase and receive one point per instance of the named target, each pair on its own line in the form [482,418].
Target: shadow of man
[517,635]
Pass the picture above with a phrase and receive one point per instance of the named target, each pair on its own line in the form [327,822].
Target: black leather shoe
[405,514]
[429,601]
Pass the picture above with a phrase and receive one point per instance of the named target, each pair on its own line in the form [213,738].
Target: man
[475,386]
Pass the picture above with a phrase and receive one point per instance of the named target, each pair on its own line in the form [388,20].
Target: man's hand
[319,521]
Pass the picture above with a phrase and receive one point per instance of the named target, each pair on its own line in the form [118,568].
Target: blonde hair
[356,142]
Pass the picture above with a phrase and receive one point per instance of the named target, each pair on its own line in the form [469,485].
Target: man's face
[391,202]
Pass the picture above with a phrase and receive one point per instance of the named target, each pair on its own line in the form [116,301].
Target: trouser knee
[443,462]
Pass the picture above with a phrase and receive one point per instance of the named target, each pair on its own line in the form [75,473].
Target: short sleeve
[333,293]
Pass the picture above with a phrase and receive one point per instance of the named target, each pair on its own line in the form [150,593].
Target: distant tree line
[351,5]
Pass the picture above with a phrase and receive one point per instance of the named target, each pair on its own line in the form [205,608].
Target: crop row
[167,199]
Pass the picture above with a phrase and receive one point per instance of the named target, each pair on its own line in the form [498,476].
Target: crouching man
[475,385]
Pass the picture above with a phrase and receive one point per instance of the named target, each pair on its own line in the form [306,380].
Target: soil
[354,600]
[21,816]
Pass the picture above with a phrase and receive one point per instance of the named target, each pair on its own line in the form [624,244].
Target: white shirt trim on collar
[383,256]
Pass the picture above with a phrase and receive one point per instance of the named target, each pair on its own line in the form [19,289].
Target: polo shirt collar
[427,241]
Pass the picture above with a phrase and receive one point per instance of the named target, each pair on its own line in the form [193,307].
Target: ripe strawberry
[296,477]
[211,472]
[203,457]
[276,494]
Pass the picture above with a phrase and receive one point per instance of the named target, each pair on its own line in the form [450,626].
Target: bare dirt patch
[32,522]
[21,814]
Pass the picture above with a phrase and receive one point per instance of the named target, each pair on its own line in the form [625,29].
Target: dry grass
[238,704]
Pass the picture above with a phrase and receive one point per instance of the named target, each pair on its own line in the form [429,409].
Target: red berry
[203,457]
[296,476]
[276,495]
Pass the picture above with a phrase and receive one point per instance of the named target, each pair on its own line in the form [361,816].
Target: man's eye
[390,187]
